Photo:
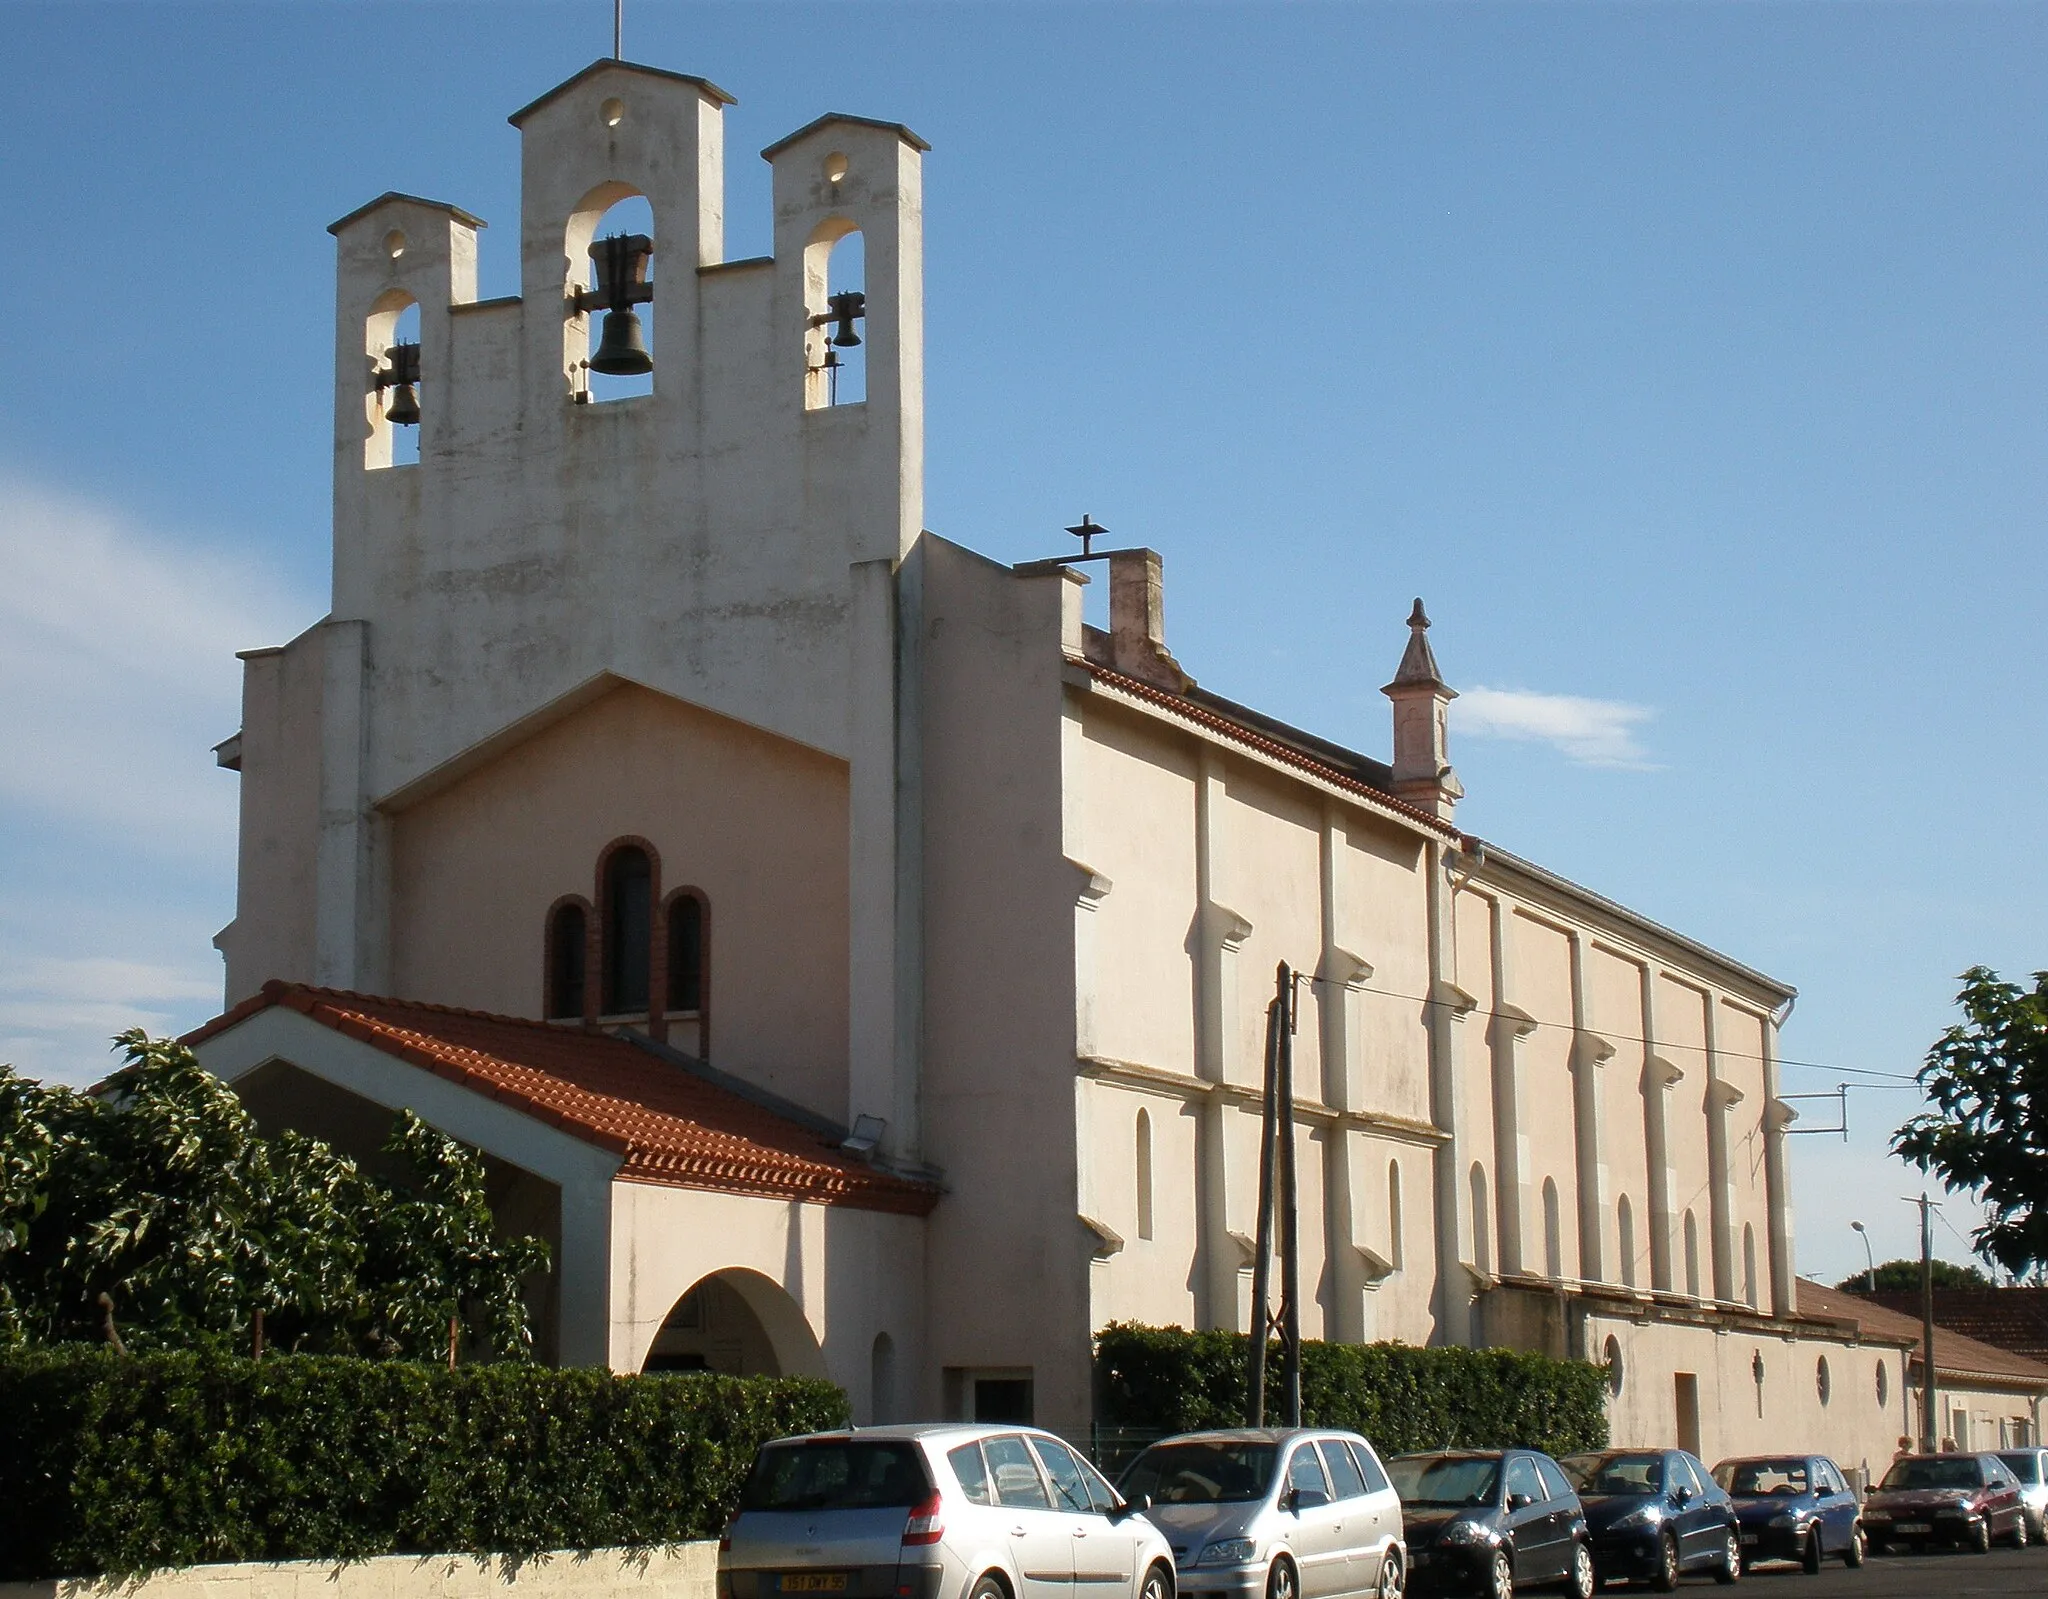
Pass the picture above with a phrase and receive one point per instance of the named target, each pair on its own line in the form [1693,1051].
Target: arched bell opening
[392,389]
[609,341]
[736,1323]
[835,325]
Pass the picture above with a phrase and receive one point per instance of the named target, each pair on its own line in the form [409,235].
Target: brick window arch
[566,962]
[628,889]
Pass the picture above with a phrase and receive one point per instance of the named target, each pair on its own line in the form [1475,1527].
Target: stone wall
[686,1571]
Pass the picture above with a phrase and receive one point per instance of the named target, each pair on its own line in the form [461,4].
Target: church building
[852,962]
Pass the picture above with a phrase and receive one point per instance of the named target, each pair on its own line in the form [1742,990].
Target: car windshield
[1931,1471]
[2025,1465]
[1445,1479]
[1615,1474]
[1212,1472]
[836,1474]
[1757,1479]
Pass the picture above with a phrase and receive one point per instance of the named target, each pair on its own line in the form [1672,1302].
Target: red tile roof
[667,1125]
[1955,1356]
[2015,1319]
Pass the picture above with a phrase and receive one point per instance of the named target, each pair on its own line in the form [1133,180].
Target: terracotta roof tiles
[668,1125]
[1955,1356]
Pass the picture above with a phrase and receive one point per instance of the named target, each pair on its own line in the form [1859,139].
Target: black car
[1793,1507]
[1654,1514]
[1489,1521]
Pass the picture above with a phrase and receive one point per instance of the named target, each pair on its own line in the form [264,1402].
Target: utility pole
[1930,1431]
[1277,1171]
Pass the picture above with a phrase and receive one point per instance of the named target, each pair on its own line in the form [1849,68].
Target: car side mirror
[1682,1495]
[1519,1501]
[1300,1499]
[1131,1507]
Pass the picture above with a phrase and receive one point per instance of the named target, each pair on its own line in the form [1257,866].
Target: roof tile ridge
[554,1029]
[1251,735]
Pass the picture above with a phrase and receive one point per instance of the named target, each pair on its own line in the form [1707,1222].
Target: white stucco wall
[686,1571]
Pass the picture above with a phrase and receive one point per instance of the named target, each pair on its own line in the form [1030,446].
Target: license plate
[811,1582]
[1911,1526]
[1748,1538]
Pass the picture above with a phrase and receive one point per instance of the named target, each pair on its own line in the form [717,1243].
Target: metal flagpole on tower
[618,30]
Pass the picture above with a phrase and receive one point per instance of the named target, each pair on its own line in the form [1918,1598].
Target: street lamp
[1870,1279]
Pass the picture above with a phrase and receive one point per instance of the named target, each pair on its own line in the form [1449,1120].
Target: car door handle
[1016,1532]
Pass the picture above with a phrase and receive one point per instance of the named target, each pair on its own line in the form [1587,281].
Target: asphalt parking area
[1941,1575]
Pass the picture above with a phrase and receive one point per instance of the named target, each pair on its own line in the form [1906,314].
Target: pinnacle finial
[1418,618]
[1418,661]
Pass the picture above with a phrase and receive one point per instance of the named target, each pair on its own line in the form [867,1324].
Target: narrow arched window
[1143,1158]
[1396,1243]
[1625,1237]
[611,324]
[391,405]
[628,930]
[882,1379]
[1553,1232]
[568,928]
[1749,1293]
[835,331]
[686,953]
[1482,1222]
[1692,1256]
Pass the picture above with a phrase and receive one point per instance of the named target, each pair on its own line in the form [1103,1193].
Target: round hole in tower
[835,167]
[613,111]
[394,244]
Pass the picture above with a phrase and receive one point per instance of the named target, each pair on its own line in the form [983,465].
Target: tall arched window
[1396,1243]
[1625,1236]
[1553,1232]
[610,335]
[1749,1293]
[628,930]
[1482,1221]
[391,340]
[835,332]
[882,1379]
[686,951]
[568,930]
[1692,1256]
[1143,1157]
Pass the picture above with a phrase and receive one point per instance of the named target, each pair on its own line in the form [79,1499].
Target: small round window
[1612,1355]
[1884,1386]
[1820,1379]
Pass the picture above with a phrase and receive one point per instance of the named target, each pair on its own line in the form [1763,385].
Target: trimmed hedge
[1157,1380]
[122,1465]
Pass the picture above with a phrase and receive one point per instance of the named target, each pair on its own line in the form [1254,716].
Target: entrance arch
[737,1323]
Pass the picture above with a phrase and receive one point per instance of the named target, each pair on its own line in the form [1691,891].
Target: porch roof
[667,1125]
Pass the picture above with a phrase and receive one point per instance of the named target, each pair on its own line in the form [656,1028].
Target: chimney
[1422,767]
[1137,621]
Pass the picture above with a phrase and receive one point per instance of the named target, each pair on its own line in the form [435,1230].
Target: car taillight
[924,1525]
[725,1537]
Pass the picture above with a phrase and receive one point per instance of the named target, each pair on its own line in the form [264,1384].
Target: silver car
[1273,1514]
[936,1512]
[2031,1467]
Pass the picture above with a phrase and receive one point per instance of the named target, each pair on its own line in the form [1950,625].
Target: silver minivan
[936,1512]
[1279,1513]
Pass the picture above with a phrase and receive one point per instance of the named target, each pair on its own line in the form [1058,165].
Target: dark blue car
[1655,1514]
[1793,1507]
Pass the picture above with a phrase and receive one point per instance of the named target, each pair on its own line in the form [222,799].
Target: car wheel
[1730,1568]
[1392,1578]
[1280,1582]
[2019,1532]
[1809,1559]
[1859,1546]
[1580,1585]
[1980,1537]
[1667,1564]
[990,1587]
[1158,1584]
[1501,1579]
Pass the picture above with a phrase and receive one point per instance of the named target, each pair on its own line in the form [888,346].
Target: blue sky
[1689,360]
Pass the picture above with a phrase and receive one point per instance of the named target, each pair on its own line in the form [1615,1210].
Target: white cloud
[1591,732]
[117,676]
[117,649]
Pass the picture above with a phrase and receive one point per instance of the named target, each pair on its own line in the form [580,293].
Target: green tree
[1987,1078]
[1903,1276]
[155,1200]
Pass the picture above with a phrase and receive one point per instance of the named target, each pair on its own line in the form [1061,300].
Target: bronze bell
[622,351]
[844,307]
[404,409]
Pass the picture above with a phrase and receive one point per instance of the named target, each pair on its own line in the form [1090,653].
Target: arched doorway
[736,1323]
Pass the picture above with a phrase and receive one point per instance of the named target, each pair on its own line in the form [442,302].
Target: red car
[1965,1501]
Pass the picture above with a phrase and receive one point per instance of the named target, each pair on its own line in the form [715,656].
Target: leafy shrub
[122,1465]
[1158,1380]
